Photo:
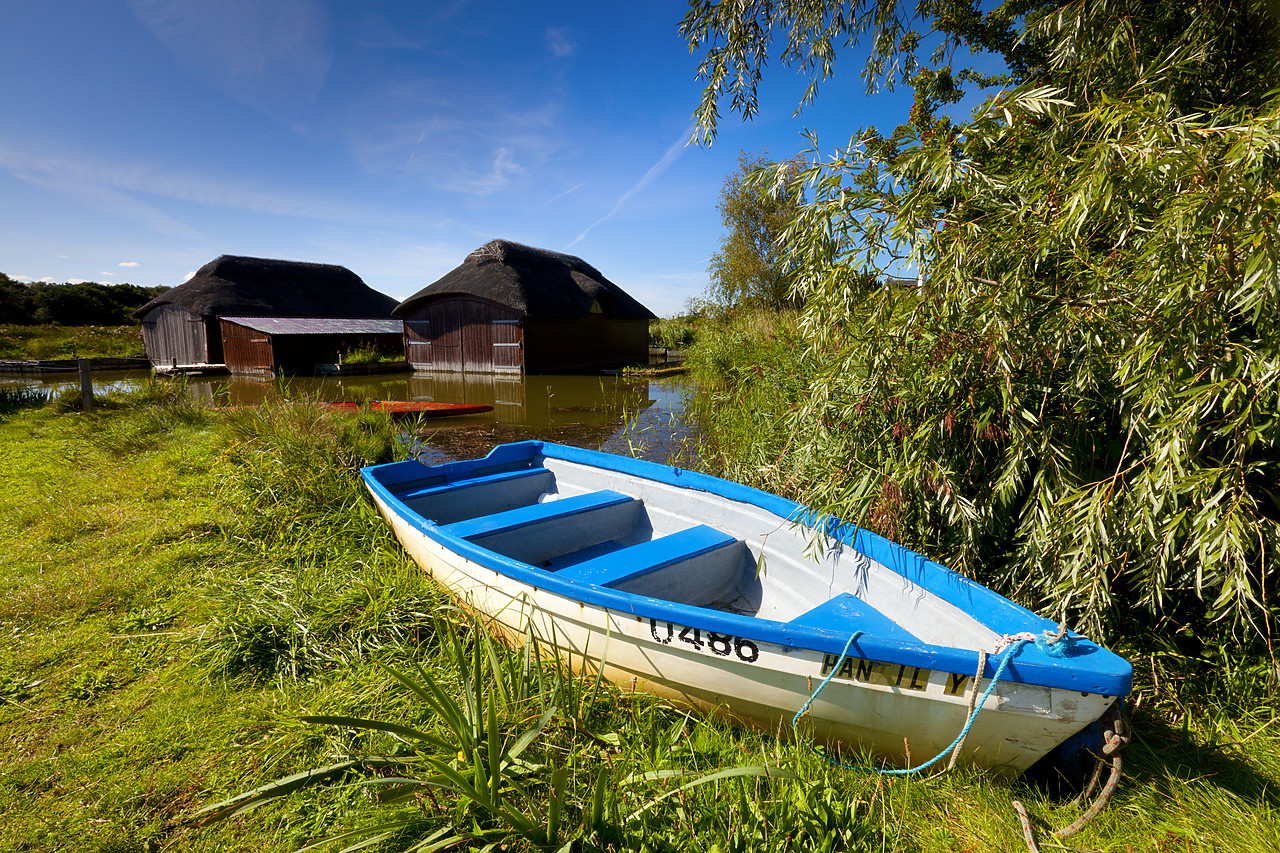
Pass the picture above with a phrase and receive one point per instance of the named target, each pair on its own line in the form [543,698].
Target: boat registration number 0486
[721,644]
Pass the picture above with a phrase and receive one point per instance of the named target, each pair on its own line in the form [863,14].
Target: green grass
[196,603]
[59,342]
[368,355]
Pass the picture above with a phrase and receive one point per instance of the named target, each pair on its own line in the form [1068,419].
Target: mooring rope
[1055,644]
[973,703]
[1115,738]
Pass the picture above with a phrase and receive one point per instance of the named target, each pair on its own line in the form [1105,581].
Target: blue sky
[142,138]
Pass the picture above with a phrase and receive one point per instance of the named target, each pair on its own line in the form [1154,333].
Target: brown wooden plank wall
[458,336]
[246,350]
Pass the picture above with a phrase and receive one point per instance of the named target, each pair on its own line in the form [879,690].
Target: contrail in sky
[551,201]
[656,169]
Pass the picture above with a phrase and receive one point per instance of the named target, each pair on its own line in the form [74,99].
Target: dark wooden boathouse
[510,308]
[182,328]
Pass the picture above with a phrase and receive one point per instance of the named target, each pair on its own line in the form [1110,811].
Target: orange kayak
[403,407]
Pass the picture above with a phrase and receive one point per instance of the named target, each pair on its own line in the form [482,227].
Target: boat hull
[900,712]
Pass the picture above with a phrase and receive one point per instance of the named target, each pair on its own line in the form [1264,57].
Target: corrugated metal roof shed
[319,326]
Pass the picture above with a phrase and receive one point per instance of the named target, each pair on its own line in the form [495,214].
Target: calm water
[632,416]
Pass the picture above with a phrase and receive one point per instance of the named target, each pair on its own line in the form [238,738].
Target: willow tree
[1081,404]
[750,269]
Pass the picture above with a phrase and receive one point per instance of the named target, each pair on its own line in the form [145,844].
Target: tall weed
[292,465]
[750,376]
[673,332]
[13,399]
[316,582]
[499,753]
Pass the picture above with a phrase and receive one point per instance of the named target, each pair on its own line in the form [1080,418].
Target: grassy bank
[54,342]
[181,588]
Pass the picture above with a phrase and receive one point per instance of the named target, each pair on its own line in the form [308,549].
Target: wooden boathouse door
[508,355]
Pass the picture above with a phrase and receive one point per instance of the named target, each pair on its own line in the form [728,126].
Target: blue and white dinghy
[714,594]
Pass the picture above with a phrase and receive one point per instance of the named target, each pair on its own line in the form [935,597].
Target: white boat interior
[634,534]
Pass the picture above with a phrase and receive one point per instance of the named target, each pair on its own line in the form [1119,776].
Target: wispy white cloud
[123,187]
[471,134]
[271,55]
[673,152]
[93,187]
[128,264]
[559,43]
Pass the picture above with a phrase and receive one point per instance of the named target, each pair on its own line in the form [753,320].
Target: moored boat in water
[405,408]
[744,603]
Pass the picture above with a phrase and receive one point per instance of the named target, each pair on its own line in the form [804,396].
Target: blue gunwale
[1089,669]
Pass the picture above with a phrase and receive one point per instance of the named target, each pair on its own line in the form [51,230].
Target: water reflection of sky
[634,416]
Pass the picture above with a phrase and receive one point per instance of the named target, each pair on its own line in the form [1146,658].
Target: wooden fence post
[86,384]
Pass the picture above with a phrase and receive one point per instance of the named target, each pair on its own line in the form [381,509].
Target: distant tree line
[84,304]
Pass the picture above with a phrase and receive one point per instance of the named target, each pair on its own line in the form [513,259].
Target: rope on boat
[973,704]
[1053,644]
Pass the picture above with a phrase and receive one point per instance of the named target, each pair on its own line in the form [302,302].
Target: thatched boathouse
[513,308]
[182,328]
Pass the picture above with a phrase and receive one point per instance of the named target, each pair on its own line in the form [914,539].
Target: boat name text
[901,675]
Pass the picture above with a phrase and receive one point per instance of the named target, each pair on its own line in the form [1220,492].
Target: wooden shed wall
[247,350]
[465,335]
[173,335]
[470,335]
[584,343]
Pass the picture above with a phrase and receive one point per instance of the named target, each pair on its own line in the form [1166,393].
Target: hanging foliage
[1081,402]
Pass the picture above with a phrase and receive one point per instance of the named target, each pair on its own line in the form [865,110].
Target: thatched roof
[535,282]
[231,285]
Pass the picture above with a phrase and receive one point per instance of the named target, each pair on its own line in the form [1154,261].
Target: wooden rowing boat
[742,602]
[406,408]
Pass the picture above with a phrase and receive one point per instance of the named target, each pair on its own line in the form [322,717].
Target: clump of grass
[150,412]
[317,582]
[294,465]
[502,747]
[13,399]
[291,623]
[750,377]
[369,355]
[673,332]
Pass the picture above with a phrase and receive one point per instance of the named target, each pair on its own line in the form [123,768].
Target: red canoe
[426,410]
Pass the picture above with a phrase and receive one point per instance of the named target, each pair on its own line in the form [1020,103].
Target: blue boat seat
[455,500]
[540,532]
[696,566]
[640,559]
[847,613]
